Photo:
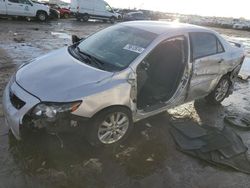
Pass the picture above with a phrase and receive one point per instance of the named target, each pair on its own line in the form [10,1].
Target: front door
[163,75]
[207,56]
[102,9]
[27,7]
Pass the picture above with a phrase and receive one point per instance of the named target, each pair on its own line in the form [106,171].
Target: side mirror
[75,39]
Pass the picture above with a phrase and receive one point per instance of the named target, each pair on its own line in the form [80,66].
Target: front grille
[15,101]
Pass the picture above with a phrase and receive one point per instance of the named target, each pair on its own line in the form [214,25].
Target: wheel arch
[112,107]
[41,11]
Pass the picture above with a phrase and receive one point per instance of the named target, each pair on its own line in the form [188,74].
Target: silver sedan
[121,75]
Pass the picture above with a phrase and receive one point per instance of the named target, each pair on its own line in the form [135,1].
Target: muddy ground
[148,159]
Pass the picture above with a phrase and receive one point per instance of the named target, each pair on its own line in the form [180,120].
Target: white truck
[24,8]
[95,9]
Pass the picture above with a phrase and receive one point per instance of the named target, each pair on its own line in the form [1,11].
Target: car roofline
[163,27]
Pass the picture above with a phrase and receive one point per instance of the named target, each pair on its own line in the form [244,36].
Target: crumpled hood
[59,77]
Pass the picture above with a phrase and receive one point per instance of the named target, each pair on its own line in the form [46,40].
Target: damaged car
[120,75]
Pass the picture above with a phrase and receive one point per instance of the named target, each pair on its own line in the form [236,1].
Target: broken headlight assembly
[50,111]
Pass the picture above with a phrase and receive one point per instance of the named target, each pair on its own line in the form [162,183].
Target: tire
[66,15]
[102,132]
[221,91]
[42,16]
[84,18]
[112,19]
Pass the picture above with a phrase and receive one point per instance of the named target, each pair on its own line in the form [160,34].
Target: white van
[96,9]
[24,8]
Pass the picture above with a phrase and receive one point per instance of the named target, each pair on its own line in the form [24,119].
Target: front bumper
[13,116]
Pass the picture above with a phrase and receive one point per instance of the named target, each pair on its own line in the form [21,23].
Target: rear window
[205,44]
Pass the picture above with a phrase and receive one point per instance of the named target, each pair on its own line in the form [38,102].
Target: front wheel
[42,16]
[66,15]
[220,92]
[112,19]
[110,127]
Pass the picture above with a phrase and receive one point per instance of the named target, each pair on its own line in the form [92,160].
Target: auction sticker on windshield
[133,48]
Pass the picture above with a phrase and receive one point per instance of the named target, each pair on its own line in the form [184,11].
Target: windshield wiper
[90,58]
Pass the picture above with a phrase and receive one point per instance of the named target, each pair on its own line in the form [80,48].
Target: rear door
[3,7]
[206,56]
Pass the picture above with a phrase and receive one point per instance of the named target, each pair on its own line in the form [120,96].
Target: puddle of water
[61,35]
[16,51]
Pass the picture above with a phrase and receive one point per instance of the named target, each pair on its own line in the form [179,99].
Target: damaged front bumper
[16,104]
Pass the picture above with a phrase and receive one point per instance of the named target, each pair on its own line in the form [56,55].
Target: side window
[205,44]
[172,50]
[24,2]
[13,1]
[108,8]
[165,64]
[220,48]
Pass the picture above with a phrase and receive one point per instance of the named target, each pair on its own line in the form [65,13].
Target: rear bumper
[14,116]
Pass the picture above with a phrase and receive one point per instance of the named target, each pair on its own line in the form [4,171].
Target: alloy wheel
[222,90]
[113,128]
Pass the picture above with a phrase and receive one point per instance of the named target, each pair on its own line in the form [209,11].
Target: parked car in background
[133,16]
[119,14]
[120,75]
[54,13]
[94,9]
[64,12]
[24,8]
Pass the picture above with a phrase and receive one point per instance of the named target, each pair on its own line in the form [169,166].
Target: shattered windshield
[117,46]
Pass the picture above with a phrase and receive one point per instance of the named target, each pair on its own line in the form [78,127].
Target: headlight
[51,110]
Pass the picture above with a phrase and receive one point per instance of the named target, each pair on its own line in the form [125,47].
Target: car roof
[160,27]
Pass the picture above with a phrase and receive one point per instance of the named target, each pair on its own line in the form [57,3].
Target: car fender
[40,7]
[117,94]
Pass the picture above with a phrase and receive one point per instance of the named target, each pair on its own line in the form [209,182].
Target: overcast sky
[227,8]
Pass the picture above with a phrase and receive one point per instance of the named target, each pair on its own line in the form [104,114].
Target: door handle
[21,5]
[9,4]
[221,60]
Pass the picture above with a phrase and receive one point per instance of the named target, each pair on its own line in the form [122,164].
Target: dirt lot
[148,159]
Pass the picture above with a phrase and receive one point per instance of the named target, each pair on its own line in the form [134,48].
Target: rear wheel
[41,16]
[110,127]
[84,18]
[220,92]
